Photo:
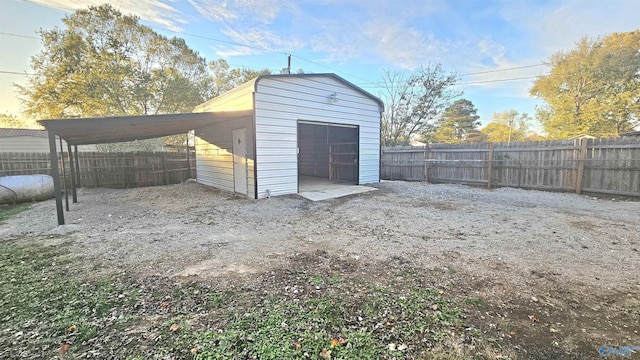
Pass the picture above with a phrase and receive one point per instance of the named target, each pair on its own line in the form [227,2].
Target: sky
[497,47]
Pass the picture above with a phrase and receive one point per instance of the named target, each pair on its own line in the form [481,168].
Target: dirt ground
[563,265]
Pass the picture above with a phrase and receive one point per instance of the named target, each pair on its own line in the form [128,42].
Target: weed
[9,211]
[316,280]
[477,302]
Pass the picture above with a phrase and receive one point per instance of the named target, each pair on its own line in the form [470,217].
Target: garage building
[290,131]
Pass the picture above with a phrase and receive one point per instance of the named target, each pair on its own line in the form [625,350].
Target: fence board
[111,170]
[609,166]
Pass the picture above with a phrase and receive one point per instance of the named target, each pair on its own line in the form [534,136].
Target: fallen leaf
[297,346]
[194,351]
[325,354]
[164,304]
[392,347]
[441,292]
[402,347]
[174,327]
[72,328]
[533,318]
[64,347]
[338,341]
[434,307]
[553,330]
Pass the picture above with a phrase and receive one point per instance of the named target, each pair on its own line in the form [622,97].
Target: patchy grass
[319,307]
[9,211]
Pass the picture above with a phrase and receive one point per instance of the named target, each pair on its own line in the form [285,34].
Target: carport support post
[75,156]
[53,155]
[64,177]
[72,166]
[188,160]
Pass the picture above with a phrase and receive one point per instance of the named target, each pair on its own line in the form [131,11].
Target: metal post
[75,155]
[64,177]
[72,169]
[53,155]
[188,159]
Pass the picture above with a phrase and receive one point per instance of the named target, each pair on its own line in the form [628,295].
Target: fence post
[426,162]
[164,168]
[94,171]
[581,159]
[490,166]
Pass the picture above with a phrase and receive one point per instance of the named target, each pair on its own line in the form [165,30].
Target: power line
[18,35]
[16,73]
[500,80]
[505,69]
[379,85]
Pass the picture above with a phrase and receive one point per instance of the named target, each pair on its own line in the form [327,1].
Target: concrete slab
[333,191]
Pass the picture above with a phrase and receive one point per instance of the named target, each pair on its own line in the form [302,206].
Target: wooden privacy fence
[111,170]
[610,166]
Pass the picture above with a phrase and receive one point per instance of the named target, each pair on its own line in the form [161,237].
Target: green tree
[224,78]
[593,88]
[14,122]
[104,63]
[414,103]
[457,122]
[507,126]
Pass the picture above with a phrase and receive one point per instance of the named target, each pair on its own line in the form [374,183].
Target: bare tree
[413,103]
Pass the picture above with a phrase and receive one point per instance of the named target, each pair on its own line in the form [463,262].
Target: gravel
[506,235]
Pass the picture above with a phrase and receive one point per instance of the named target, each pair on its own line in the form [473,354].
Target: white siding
[281,101]
[214,154]
[214,149]
[240,98]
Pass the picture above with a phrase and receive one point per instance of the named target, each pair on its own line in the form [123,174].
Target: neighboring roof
[631,133]
[5,132]
[102,130]
[254,84]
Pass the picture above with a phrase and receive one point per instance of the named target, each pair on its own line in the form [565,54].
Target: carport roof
[101,130]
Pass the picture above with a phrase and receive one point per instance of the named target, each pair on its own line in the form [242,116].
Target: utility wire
[471,82]
[506,69]
[18,35]
[499,80]
[16,73]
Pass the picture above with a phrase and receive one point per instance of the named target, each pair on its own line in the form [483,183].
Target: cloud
[213,10]
[255,41]
[390,41]
[250,11]
[250,23]
[560,24]
[154,11]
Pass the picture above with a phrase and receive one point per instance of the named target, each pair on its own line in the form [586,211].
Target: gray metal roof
[102,130]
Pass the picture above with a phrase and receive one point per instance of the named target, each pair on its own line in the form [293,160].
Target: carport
[103,130]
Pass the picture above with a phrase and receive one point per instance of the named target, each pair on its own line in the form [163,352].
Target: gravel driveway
[506,234]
